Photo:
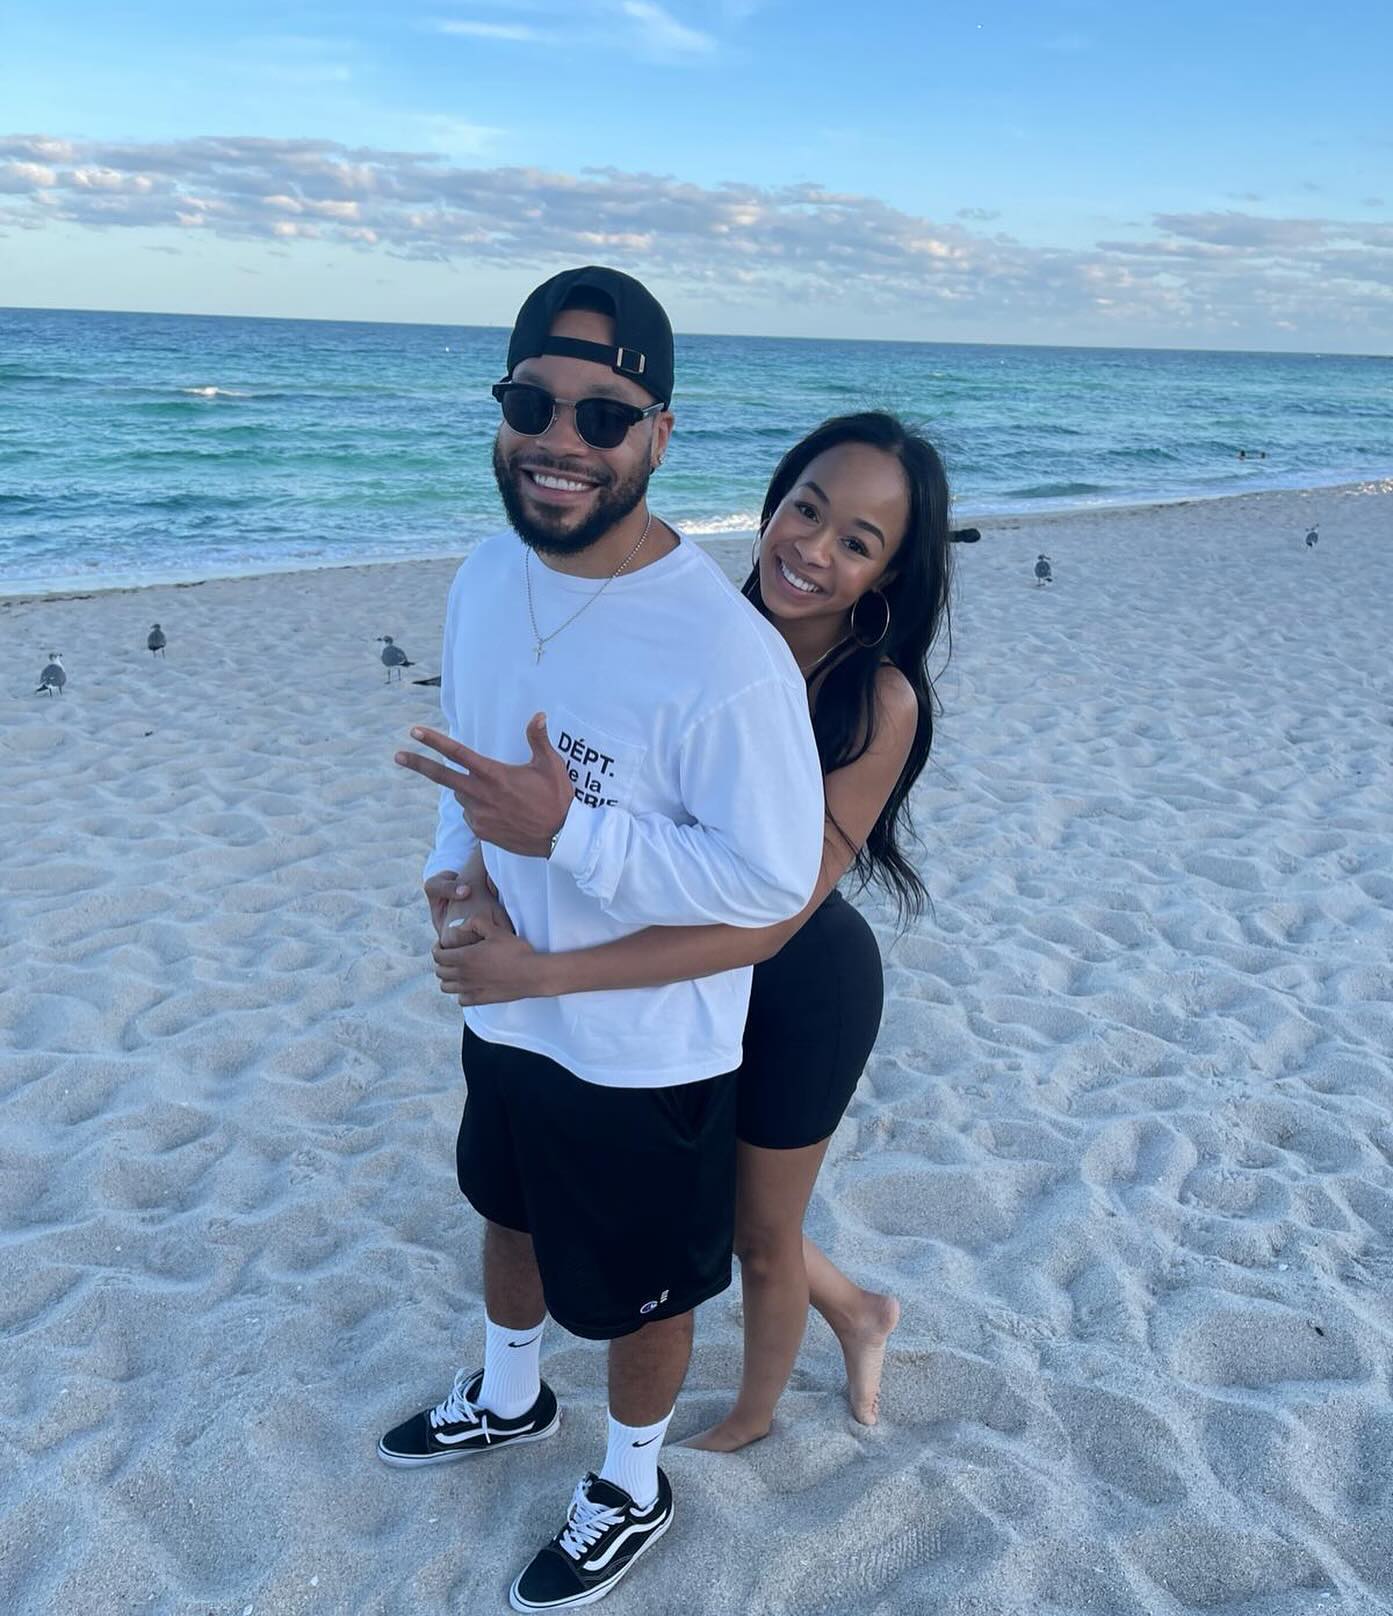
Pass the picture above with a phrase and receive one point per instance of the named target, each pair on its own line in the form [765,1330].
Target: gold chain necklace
[826,655]
[540,640]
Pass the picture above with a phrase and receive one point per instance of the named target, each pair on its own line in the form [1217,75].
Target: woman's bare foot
[726,1437]
[863,1347]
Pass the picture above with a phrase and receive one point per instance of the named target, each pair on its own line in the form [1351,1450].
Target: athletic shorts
[628,1194]
[814,1015]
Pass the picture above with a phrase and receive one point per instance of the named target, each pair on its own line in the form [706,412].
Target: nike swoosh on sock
[645,1444]
[526,1343]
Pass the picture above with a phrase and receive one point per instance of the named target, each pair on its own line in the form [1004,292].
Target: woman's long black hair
[917,595]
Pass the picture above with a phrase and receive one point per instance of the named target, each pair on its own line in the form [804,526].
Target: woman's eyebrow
[860,521]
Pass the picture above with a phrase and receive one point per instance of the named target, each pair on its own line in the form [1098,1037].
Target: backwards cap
[642,348]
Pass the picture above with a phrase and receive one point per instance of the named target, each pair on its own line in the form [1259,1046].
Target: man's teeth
[807,589]
[563,483]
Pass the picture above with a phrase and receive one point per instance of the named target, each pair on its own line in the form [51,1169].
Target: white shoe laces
[586,1522]
[457,1409]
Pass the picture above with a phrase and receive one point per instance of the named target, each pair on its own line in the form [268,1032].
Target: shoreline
[1011,522]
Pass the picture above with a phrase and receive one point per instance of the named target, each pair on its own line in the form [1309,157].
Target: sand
[1124,1150]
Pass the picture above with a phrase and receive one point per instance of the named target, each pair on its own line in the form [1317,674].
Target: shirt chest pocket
[605,769]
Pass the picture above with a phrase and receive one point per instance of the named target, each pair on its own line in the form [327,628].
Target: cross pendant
[537,651]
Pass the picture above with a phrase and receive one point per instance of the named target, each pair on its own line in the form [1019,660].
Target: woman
[852,567]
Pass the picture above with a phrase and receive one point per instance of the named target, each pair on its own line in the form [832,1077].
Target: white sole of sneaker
[595,1593]
[400,1461]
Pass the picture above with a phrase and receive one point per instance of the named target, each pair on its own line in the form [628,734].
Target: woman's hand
[496,968]
[440,891]
[472,912]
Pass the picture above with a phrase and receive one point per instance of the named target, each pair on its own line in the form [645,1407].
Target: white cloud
[453,136]
[295,61]
[18,176]
[514,33]
[1245,230]
[628,28]
[1189,273]
[663,35]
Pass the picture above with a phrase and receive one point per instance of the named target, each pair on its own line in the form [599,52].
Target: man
[633,748]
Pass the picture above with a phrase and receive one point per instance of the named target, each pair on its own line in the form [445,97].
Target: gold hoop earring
[870,645]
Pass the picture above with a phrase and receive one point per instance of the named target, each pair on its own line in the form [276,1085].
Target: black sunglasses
[603,423]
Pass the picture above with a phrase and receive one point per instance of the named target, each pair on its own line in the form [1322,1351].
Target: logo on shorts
[652,1307]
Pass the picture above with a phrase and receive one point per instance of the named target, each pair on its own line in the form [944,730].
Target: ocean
[142,448]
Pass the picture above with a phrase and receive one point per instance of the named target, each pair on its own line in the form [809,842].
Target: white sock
[512,1376]
[632,1459]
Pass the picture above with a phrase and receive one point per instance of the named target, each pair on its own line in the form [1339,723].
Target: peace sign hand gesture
[519,807]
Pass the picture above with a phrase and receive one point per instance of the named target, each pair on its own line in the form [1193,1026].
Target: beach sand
[1124,1150]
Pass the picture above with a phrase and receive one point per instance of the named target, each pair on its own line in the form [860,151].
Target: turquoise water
[137,448]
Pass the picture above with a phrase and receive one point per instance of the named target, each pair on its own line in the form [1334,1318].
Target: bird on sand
[1043,575]
[393,657]
[53,677]
[156,640]
[1312,539]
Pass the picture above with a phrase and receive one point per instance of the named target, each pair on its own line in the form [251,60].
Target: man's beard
[616,500]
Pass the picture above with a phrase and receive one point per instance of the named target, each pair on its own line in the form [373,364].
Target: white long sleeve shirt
[684,722]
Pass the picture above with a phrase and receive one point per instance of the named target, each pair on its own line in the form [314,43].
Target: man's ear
[662,433]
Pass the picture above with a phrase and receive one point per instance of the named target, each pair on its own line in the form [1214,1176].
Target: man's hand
[496,969]
[517,806]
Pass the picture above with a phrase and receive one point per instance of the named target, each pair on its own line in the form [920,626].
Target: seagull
[1312,539]
[156,641]
[1043,575]
[393,657]
[53,677]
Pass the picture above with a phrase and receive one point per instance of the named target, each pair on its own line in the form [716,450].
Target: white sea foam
[738,522]
[214,392]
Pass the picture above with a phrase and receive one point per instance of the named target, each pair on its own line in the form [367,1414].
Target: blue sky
[1067,171]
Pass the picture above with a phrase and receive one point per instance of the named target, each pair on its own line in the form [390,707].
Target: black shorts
[628,1194]
[814,1015]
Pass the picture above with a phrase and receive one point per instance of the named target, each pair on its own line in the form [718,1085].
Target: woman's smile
[795,579]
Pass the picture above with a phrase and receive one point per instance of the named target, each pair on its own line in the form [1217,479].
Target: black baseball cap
[642,331]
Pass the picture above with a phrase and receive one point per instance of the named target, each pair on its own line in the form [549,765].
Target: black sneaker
[459,1426]
[605,1532]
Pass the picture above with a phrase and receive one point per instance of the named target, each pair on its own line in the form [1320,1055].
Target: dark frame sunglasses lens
[529,410]
[604,422]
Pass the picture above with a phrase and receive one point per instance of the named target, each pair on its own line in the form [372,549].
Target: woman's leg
[772,1191]
[862,1322]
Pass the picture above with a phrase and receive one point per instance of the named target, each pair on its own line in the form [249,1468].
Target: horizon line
[728,336]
